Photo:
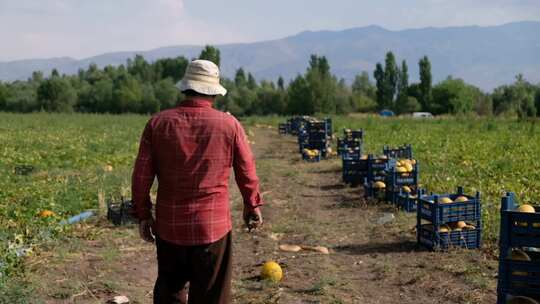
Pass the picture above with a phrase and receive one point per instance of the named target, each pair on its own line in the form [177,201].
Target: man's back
[191,150]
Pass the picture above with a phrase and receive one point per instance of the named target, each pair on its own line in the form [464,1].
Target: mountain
[484,56]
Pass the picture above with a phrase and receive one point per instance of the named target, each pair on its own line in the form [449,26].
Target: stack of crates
[375,180]
[354,169]
[401,186]
[408,201]
[351,143]
[297,123]
[449,220]
[284,128]
[519,256]
[313,135]
[318,133]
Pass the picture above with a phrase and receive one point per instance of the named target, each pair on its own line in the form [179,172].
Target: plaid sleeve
[143,176]
[245,171]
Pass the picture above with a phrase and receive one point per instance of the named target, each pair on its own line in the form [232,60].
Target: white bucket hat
[202,76]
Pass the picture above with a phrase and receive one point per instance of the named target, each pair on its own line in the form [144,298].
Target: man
[191,150]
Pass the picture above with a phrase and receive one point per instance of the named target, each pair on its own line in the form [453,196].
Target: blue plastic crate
[403,179]
[519,278]
[431,210]
[374,193]
[429,237]
[354,170]
[312,159]
[400,152]
[409,201]
[283,128]
[518,231]
[378,168]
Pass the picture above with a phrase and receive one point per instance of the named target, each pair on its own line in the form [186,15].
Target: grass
[68,153]
[489,155]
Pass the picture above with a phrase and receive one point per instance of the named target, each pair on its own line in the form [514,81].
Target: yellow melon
[519,255]
[401,169]
[46,213]
[409,167]
[461,199]
[526,209]
[469,227]
[458,225]
[444,229]
[406,189]
[445,200]
[364,157]
[379,185]
[272,271]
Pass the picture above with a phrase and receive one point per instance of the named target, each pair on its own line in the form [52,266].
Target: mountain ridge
[486,56]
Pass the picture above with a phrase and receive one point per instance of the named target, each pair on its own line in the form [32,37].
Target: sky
[84,28]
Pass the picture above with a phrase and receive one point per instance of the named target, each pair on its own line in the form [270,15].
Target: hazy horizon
[81,29]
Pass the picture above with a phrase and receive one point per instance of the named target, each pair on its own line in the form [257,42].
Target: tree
[362,86]
[3,96]
[425,83]
[211,53]
[378,74]
[518,98]
[403,103]
[322,85]
[391,74]
[240,78]
[173,68]
[537,99]
[56,95]
[299,97]
[166,93]
[281,83]
[455,96]
[127,95]
[251,82]
[149,103]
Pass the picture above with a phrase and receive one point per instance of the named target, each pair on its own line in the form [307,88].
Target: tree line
[143,87]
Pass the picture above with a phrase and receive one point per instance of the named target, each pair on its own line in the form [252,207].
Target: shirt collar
[197,102]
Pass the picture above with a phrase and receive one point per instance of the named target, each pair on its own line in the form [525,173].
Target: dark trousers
[207,268]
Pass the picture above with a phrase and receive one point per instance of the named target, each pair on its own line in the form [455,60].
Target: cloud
[82,28]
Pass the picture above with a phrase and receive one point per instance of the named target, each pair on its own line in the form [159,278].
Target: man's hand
[253,218]
[145,230]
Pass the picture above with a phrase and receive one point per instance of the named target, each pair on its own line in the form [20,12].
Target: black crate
[408,201]
[519,278]
[400,152]
[371,192]
[431,210]
[518,231]
[121,213]
[430,237]
[395,178]
[377,168]
[354,170]
[284,128]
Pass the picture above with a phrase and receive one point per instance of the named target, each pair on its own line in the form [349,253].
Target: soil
[306,204]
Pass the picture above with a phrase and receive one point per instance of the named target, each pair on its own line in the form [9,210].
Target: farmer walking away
[191,150]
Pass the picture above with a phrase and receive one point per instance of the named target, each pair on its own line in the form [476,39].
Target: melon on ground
[272,271]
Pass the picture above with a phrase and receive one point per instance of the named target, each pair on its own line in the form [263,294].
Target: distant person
[191,150]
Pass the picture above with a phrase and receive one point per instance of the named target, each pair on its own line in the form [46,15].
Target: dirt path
[305,204]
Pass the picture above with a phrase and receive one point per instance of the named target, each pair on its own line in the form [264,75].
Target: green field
[69,154]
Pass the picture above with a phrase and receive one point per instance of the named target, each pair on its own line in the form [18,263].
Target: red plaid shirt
[191,150]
